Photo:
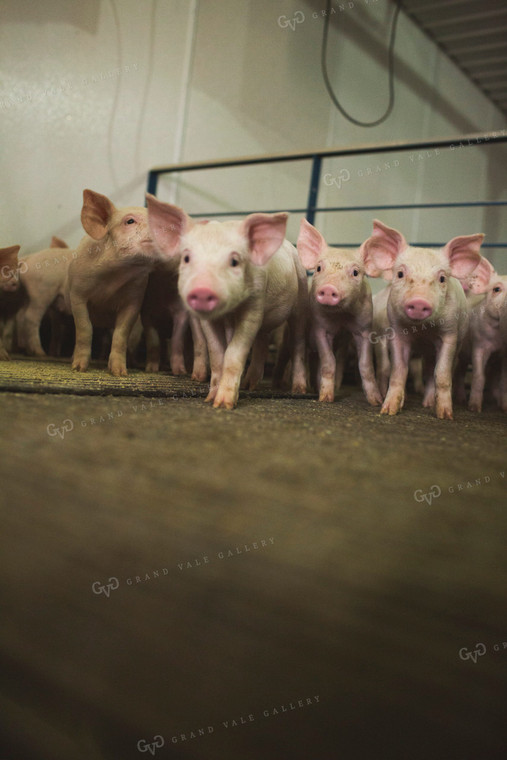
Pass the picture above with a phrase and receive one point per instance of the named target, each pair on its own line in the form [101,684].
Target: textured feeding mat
[28,375]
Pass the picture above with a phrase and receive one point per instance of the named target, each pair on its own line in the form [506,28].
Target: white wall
[92,94]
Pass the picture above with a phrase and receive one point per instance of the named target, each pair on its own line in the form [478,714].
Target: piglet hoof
[152,367]
[80,365]
[224,401]
[419,388]
[298,389]
[327,396]
[444,413]
[392,405]
[117,368]
[223,404]
[390,409]
[475,406]
[178,370]
[374,398]
[200,375]
[39,353]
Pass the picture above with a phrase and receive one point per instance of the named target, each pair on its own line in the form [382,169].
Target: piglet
[108,277]
[426,307]
[502,398]
[381,337]
[340,301]
[474,303]
[164,316]
[242,279]
[11,295]
[486,336]
[43,274]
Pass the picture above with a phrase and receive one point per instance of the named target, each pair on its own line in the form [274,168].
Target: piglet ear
[9,258]
[381,250]
[480,278]
[311,245]
[168,224]
[57,242]
[96,213]
[464,254]
[265,234]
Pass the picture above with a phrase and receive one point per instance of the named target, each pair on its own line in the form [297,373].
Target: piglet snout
[328,295]
[418,308]
[202,299]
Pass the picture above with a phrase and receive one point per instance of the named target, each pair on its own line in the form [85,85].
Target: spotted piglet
[426,307]
[340,301]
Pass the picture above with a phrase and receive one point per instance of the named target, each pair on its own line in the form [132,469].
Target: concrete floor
[279,587]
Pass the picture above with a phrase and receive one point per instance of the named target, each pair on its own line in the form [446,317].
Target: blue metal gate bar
[482,138]
[393,207]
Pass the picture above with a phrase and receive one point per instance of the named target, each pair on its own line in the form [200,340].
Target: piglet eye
[442,278]
[186,258]
[234,260]
[319,268]
[496,290]
[355,272]
[400,274]
[130,221]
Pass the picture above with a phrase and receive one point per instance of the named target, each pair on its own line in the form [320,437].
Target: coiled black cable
[390,67]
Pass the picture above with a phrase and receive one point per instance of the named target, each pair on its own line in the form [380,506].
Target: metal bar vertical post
[314,189]
[152,182]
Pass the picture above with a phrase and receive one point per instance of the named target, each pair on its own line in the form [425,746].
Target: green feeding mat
[28,375]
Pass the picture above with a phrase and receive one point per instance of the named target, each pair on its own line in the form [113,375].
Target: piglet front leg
[180,324]
[502,401]
[200,365]
[327,364]
[152,339]
[255,370]
[246,329]
[84,333]
[480,356]
[365,360]
[4,355]
[395,397]
[125,321]
[446,354]
[214,333]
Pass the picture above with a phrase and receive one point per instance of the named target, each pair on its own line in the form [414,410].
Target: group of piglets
[235,285]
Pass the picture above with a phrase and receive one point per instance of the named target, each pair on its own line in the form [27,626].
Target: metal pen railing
[317,157]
